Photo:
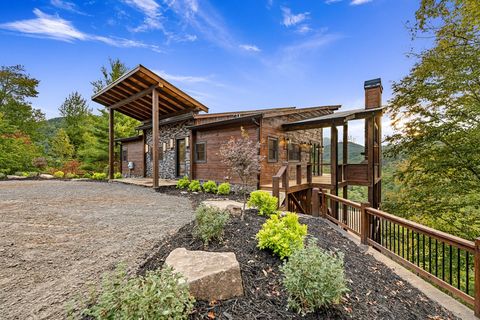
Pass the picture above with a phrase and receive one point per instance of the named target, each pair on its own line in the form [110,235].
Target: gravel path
[58,237]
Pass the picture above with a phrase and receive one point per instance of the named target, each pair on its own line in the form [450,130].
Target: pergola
[143,95]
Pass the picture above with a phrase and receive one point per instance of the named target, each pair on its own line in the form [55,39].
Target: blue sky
[229,54]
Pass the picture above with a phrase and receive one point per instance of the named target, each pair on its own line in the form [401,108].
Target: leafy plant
[313,278]
[59,174]
[282,235]
[117,175]
[210,186]
[71,176]
[194,186]
[224,189]
[160,294]
[264,202]
[99,176]
[183,183]
[210,223]
[2,176]
[87,176]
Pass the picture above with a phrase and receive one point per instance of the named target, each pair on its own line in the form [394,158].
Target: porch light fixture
[171,143]
[164,146]
[186,142]
[146,148]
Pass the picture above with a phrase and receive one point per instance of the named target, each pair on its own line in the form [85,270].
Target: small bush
[210,223]
[282,235]
[160,294]
[87,176]
[2,176]
[99,176]
[183,183]
[313,278]
[117,175]
[194,186]
[71,176]
[32,174]
[224,189]
[264,202]
[58,174]
[210,186]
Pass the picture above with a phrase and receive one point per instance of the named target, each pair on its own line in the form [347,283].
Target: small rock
[13,177]
[234,210]
[183,192]
[46,176]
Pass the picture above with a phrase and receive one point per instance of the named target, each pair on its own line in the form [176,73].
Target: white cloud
[331,1]
[54,27]
[249,47]
[66,5]
[183,79]
[151,11]
[290,19]
[304,29]
[359,2]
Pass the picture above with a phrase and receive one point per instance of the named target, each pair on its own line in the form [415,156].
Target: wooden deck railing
[283,177]
[447,261]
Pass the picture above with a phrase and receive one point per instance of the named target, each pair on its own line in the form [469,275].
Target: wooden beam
[155,138]
[334,166]
[132,98]
[111,139]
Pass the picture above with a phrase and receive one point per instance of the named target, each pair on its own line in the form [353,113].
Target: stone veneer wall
[167,166]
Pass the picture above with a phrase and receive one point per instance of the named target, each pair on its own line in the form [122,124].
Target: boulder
[234,210]
[14,177]
[233,207]
[210,275]
[46,176]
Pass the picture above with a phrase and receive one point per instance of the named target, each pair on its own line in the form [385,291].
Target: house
[180,138]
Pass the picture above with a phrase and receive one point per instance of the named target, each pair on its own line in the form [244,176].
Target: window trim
[124,154]
[272,160]
[195,153]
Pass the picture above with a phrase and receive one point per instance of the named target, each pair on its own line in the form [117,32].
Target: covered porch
[145,96]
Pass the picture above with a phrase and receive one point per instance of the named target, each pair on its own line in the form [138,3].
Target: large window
[293,152]
[201,152]
[272,149]
[124,154]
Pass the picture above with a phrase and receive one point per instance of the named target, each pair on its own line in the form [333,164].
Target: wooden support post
[477,278]
[111,141]
[345,152]
[324,204]
[309,173]
[276,189]
[345,208]
[299,174]
[334,167]
[364,225]
[285,180]
[315,203]
[155,138]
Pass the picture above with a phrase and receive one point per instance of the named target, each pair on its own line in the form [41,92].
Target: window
[201,152]
[272,149]
[160,153]
[293,152]
[124,154]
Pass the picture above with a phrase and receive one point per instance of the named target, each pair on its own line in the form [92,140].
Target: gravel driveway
[58,237]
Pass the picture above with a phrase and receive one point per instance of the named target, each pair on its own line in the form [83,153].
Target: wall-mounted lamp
[186,142]
[164,146]
[146,148]
[171,143]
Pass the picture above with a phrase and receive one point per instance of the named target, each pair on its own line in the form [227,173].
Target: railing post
[309,172]
[276,189]
[364,224]
[299,174]
[286,180]
[477,278]
[324,205]
[315,202]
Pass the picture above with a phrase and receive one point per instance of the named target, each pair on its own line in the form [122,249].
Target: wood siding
[135,154]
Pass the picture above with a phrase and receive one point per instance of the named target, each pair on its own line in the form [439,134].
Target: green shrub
[224,189]
[194,186]
[2,176]
[282,235]
[71,176]
[59,174]
[117,175]
[210,186]
[99,176]
[183,183]
[160,294]
[87,176]
[210,223]
[32,174]
[264,202]
[313,278]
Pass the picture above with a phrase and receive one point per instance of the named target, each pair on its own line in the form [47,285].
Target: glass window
[124,154]
[201,152]
[294,152]
[272,149]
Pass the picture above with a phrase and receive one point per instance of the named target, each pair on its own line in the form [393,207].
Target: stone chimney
[373,93]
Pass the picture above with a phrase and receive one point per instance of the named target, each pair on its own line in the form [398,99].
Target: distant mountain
[355,151]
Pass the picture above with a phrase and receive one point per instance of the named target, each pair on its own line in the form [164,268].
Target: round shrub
[313,278]
[183,183]
[264,202]
[87,176]
[3,176]
[160,294]
[117,175]
[194,186]
[210,186]
[99,176]
[58,174]
[224,189]
[210,223]
[283,235]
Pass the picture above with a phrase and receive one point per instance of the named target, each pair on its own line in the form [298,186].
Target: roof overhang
[131,95]
[236,120]
[129,139]
[334,119]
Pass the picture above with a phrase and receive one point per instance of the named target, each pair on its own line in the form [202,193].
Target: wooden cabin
[178,137]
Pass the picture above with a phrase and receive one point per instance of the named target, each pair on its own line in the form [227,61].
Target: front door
[180,158]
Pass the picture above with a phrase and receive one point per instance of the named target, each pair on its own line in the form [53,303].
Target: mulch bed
[375,291]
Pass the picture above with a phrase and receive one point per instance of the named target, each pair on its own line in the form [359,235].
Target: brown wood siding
[135,153]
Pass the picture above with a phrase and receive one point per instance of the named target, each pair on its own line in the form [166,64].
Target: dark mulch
[375,291]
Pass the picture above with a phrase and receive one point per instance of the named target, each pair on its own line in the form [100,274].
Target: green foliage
[264,202]
[59,174]
[210,186]
[117,175]
[282,235]
[60,147]
[2,176]
[99,176]
[183,183]
[71,176]
[224,189]
[87,176]
[160,294]
[194,186]
[210,223]
[313,278]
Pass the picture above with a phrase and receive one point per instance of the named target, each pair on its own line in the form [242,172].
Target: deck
[323,181]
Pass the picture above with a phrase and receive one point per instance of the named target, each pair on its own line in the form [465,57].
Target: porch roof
[131,95]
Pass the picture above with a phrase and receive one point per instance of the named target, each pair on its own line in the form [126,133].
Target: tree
[76,115]
[436,111]
[241,156]
[60,147]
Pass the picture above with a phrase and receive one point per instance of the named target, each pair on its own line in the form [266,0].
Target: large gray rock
[210,275]
[46,176]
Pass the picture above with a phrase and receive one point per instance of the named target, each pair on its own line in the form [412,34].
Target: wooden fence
[449,262]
